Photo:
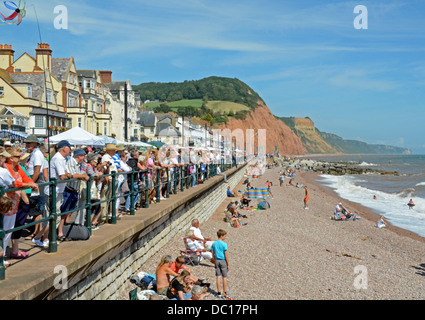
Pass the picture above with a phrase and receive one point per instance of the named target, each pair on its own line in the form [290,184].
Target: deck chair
[191,257]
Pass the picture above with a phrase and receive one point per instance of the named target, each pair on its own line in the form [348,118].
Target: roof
[166,129]
[5,75]
[36,79]
[115,85]
[147,119]
[59,68]
[86,73]
[12,111]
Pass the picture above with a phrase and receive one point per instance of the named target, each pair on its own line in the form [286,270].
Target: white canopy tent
[78,137]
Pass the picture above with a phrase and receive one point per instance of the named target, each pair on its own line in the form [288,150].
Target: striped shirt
[117,160]
[73,167]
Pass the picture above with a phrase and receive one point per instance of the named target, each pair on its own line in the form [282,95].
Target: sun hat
[25,156]
[5,154]
[120,147]
[111,146]
[31,138]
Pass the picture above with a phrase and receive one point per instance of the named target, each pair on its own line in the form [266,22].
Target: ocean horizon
[392,192]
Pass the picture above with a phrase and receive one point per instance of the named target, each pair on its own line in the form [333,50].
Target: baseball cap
[79,152]
[63,143]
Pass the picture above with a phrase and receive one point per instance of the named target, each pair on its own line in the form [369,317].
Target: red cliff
[278,133]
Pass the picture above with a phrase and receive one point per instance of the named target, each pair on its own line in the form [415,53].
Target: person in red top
[178,265]
[20,200]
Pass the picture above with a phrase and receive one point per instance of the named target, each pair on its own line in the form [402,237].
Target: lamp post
[125,108]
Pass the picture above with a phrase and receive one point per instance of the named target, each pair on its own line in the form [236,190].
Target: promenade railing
[178,178]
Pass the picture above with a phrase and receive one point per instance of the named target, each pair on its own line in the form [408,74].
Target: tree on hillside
[208,118]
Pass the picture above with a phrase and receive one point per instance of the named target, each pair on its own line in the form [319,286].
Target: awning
[13,134]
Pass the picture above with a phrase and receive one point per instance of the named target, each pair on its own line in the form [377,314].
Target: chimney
[43,57]
[6,57]
[106,76]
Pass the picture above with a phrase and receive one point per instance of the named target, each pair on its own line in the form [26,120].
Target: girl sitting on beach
[381,223]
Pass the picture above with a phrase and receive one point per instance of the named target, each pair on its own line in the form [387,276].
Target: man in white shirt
[218,172]
[59,171]
[200,242]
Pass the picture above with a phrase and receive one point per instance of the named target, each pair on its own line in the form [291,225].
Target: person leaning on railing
[58,170]
[21,202]
[111,167]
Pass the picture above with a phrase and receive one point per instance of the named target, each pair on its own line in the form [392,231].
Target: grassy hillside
[207,89]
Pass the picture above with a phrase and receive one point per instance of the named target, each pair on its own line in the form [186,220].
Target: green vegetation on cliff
[207,89]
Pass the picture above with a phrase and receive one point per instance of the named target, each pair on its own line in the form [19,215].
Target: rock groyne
[327,167]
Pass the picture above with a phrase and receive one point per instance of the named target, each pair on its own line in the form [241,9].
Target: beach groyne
[100,267]
[330,167]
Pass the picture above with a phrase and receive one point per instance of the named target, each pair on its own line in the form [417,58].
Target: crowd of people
[31,165]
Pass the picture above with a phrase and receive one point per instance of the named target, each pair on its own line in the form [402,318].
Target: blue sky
[304,57]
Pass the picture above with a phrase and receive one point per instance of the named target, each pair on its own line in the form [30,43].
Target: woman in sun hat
[20,208]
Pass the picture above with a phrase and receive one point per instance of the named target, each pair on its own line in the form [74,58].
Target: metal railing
[179,179]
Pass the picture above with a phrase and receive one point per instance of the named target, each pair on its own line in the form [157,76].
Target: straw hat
[6,154]
[25,156]
[111,146]
[120,147]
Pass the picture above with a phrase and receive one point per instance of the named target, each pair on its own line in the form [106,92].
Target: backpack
[76,232]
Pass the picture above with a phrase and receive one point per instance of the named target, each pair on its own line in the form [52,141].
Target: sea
[392,192]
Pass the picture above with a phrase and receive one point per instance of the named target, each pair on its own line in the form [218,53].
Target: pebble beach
[291,253]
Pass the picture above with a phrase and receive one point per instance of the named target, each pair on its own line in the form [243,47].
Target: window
[79,122]
[39,122]
[49,95]
[1,91]
[105,131]
[29,92]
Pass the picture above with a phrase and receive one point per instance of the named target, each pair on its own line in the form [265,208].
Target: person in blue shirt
[230,193]
[221,257]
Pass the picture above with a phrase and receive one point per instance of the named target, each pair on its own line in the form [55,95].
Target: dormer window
[1,91]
